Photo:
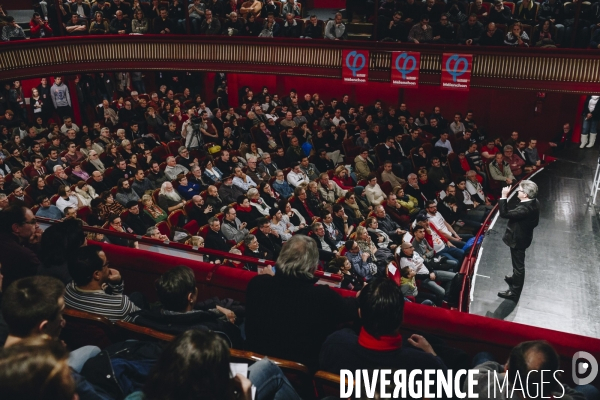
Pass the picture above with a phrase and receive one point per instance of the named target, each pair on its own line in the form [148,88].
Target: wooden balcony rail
[563,70]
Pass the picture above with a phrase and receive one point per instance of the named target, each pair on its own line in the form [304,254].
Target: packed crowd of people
[357,179]
[551,23]
[357,190]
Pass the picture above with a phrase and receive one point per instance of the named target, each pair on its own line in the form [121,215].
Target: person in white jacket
[242,180]
[373,192]
[296,177]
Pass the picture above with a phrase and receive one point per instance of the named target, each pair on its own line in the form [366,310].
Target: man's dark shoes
[508,279]
[509,295]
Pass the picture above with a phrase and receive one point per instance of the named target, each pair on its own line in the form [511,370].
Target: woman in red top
[343,179]
[178,118]
[246,213]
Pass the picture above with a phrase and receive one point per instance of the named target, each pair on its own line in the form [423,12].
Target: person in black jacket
[255,250]
[519,233]
[313,30]
[268,238]
[199,212]
[492,36]
[443,31]
[287,316]
[162,24]
[500,14]
[213,199]
[291,28]
[180,309]
[215,238]
[470,31]
[138,222]
[394,30]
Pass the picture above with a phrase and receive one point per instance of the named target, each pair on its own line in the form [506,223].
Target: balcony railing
[564,70]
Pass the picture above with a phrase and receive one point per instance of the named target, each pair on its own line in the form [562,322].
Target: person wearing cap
[410,258]
[137,221]
[12,30]
[522,220]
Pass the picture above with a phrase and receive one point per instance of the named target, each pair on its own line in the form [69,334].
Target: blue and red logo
[355,66]
[456,71]
[405,69]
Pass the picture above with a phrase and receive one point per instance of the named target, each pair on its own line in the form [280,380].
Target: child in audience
[350,280]
[408,285]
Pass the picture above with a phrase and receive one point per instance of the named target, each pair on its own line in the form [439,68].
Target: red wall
[498,111]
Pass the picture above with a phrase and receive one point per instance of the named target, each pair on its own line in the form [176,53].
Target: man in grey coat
[232,228]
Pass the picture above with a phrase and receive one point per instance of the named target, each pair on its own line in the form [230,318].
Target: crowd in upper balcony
[499,23]
[526,23]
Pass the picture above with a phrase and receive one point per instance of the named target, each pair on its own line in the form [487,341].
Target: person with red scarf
[379,343]
[246,213]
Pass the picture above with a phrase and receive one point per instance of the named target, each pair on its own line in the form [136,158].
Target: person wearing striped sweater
[96,288]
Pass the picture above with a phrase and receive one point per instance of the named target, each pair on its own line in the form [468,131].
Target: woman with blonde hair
[343,178]
[381,256]
[155,212]
[139,24]
[516,36]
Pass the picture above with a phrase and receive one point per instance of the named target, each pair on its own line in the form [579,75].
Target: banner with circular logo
[456,71]
[355,66]
[405,69]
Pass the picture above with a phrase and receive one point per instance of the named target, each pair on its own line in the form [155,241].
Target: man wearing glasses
[19,234]
[184,158]
[522,220]
[562,139]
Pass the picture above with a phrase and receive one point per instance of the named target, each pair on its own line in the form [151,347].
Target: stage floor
[562,281]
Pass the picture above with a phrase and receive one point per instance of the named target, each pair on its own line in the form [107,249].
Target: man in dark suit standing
[519,233]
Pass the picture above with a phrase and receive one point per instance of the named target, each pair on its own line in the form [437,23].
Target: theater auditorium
[227,199]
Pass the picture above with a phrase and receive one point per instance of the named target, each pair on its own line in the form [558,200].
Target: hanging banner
[355,66]
[456,71]
[405,69]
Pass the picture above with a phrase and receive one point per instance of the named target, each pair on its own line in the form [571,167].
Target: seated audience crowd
[349,189]
[548,24]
